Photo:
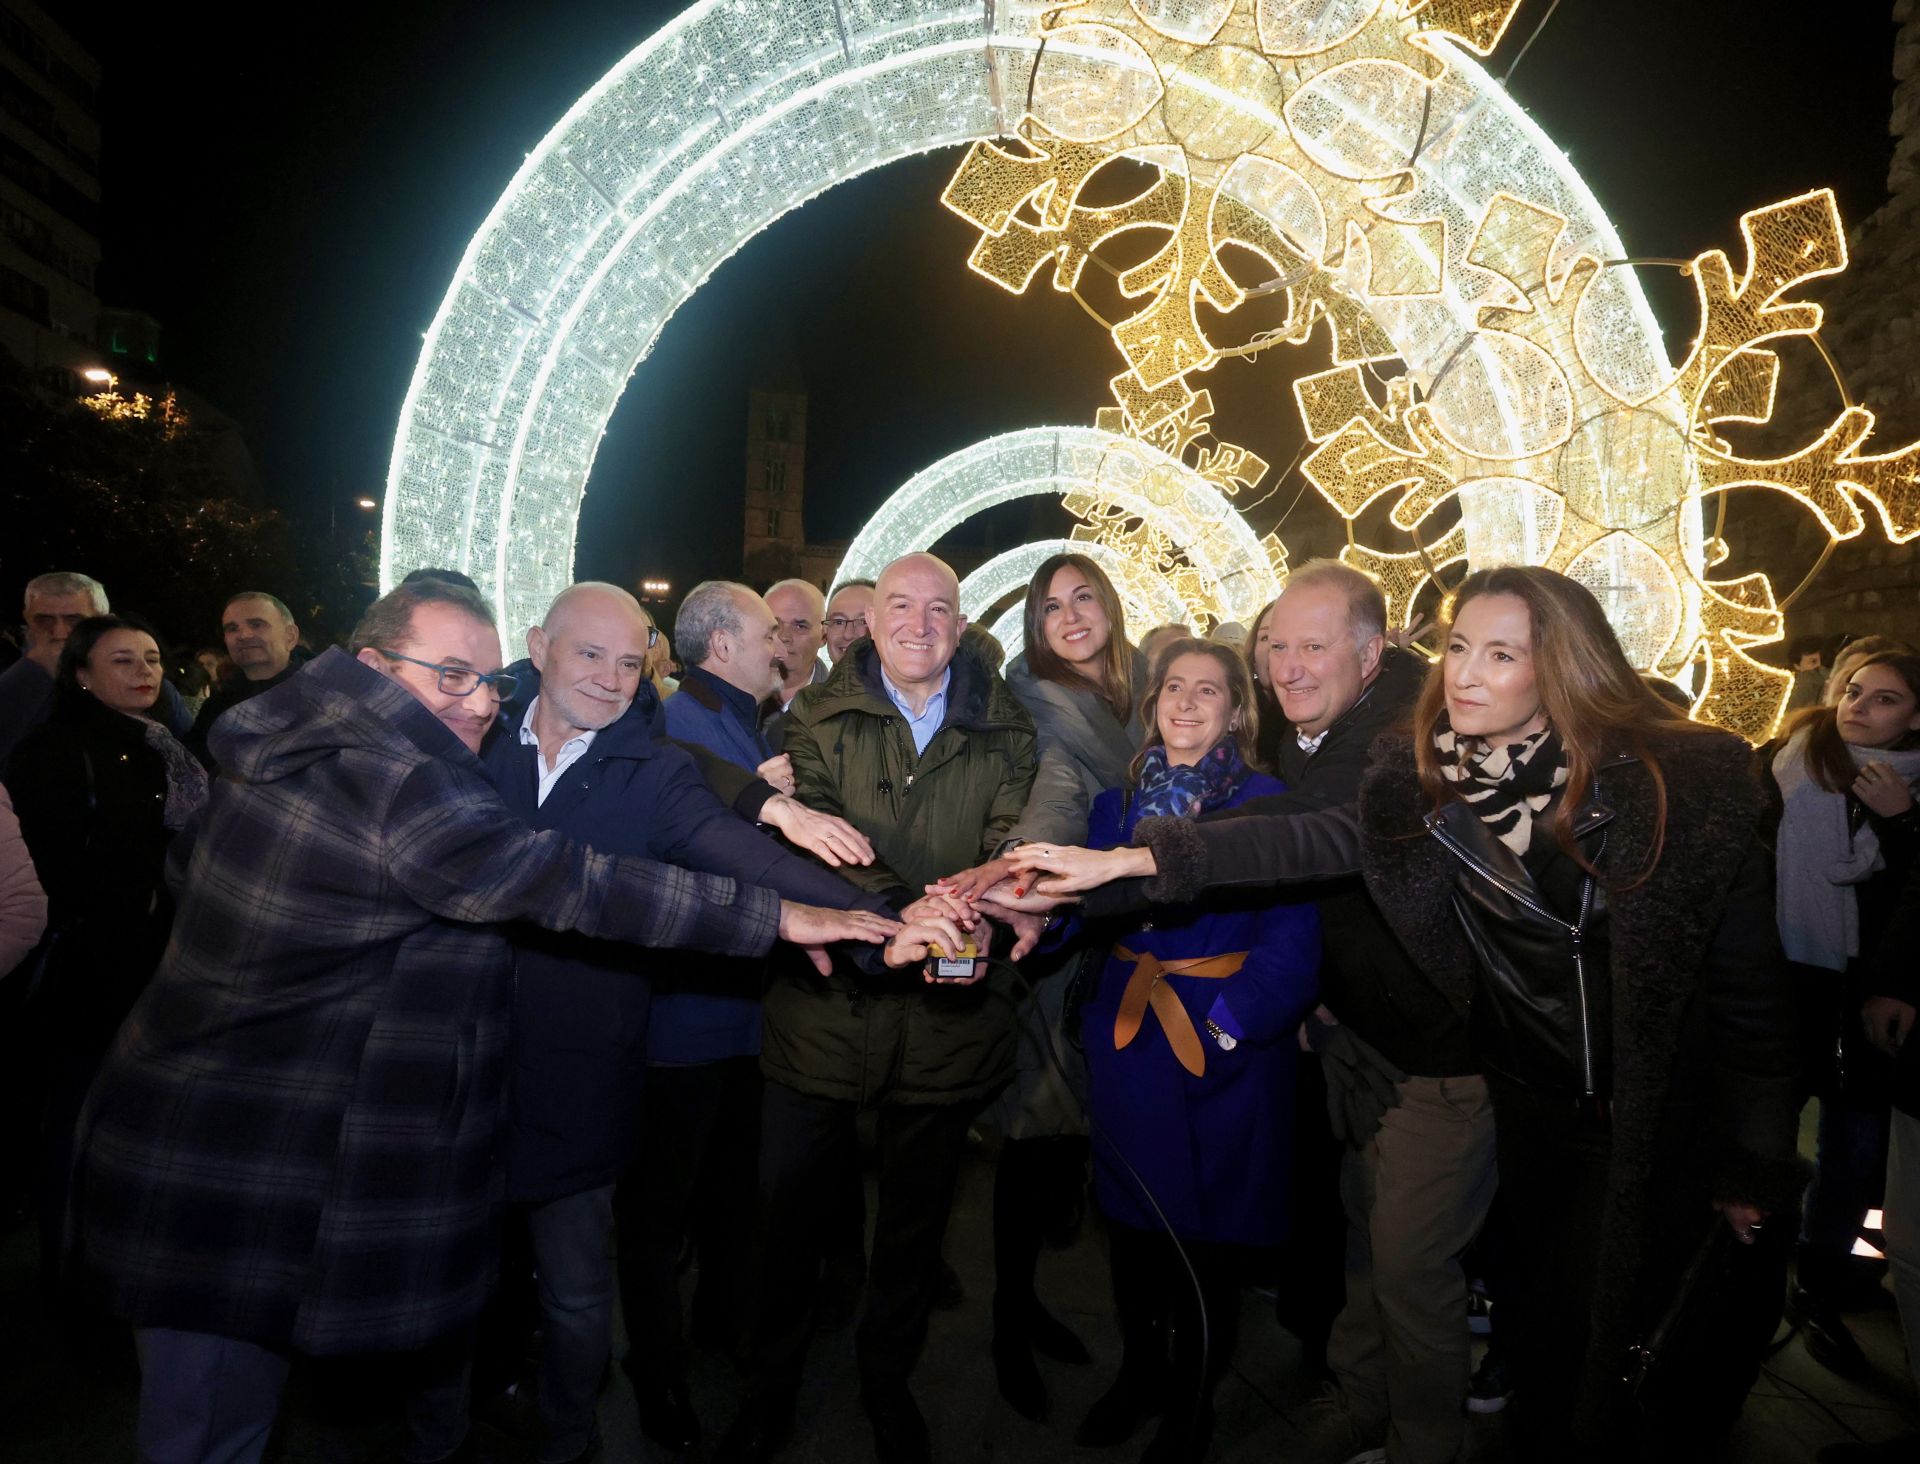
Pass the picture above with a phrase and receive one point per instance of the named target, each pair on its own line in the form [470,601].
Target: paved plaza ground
[67,1396]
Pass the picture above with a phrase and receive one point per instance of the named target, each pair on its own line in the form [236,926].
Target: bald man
[800,625]
[925,751]
[580,752]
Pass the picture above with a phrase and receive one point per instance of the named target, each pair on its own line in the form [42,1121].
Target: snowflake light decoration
[1303,135]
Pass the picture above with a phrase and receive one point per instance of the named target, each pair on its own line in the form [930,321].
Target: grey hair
[388,622]
[273,600]
[67,582]
[1366,606]
[712,606]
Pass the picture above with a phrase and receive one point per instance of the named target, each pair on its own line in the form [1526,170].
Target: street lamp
[655,588]
[368,503]
[97,376]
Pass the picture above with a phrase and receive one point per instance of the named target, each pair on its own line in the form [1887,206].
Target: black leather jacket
[1542,1012]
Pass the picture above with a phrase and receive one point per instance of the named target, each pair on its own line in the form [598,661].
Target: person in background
[1191,1035]
[662,670]
[1229,633]
[1853,652]
[1160,636]
[848,609]
[53,605]
[800,625]
[986,645]
[214,662]
[931,757]
[1891,977]
[101,789]
[1266,706]
[261,635]
[23,903]
[1081,680]
[1847,842]
[1807,663]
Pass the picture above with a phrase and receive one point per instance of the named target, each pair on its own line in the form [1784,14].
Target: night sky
[291,207]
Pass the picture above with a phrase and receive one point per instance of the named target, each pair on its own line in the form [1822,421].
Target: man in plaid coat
[293,1144]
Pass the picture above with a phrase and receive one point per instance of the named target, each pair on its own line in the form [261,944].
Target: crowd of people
[354,992]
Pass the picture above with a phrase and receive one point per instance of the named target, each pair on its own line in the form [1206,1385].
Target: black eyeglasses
[461,680]
[653,637]
[838,623]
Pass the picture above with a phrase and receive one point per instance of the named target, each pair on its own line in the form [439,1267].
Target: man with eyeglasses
[294,1143]
[849,613]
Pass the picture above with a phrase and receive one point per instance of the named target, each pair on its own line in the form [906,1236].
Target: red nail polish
[1018,891]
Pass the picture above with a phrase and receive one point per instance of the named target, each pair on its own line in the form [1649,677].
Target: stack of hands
[1018,891]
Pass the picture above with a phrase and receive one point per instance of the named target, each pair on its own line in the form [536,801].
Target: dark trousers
[807,1146]
[209,1399]
[695,1178]
[1554,1171]
[1178,1327]
[1037,1184]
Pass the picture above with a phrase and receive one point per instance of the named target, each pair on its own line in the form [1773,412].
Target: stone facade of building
[1873,332]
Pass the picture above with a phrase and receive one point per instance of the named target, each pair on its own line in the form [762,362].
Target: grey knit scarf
[1821,857]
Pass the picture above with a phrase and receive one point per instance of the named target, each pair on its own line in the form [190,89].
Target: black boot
[1198,1353]
[1140,1299]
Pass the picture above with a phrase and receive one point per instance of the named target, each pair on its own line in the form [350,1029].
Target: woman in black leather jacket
[1580,869]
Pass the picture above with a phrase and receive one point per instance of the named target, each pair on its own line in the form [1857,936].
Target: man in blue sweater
[700,1129]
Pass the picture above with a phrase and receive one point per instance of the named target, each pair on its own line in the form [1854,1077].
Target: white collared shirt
[571,752]
[1311,745]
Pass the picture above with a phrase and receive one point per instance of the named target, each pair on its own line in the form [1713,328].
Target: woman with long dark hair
[101,788]
[1189,1029]
[1580,869]
[1080,678]
[1273,725]
[1849,833]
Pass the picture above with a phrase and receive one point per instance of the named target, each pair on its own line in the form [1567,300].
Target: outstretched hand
[815,927]
[1026,926]
[1065,869]
[971,884]
[1010,894]
[834,840]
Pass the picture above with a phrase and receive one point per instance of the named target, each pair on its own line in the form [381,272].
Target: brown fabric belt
[1146,989]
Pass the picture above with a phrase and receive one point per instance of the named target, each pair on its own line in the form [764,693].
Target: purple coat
[1216,1150]
[295,1140]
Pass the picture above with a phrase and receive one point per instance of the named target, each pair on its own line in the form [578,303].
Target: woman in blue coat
[1190,1041]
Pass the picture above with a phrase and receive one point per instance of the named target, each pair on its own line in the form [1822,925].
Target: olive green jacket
[893,1038]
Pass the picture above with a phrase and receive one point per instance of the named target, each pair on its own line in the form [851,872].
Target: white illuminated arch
[739,111]
[1148,599]
[1069,461]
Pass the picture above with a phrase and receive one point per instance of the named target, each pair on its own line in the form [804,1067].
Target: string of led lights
[1139,503]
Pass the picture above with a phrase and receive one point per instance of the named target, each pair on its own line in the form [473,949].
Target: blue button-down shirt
[928,722]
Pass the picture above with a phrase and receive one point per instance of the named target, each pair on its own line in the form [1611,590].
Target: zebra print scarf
[1507,784]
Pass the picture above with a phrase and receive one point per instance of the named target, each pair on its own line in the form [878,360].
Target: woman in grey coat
[1080,679]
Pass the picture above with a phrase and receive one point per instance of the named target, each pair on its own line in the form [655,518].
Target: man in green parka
[927,753]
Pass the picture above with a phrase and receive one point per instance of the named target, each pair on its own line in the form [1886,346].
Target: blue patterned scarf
[1173,792]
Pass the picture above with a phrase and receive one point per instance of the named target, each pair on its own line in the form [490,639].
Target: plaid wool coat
[296,1138]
